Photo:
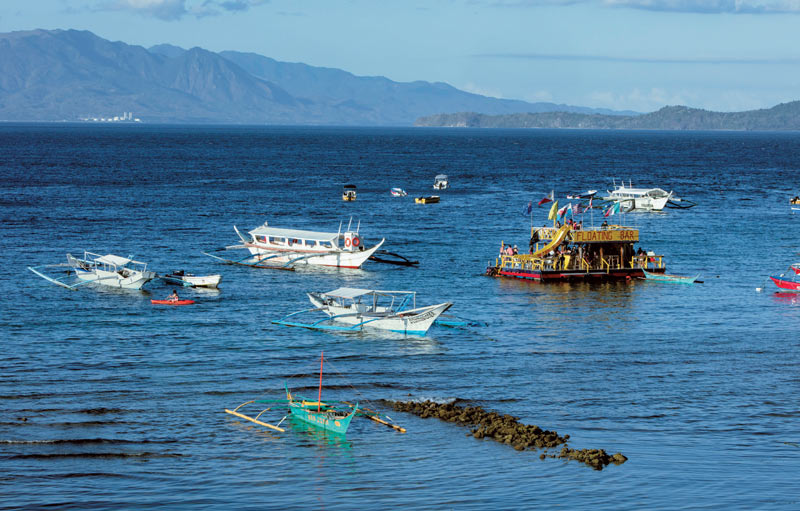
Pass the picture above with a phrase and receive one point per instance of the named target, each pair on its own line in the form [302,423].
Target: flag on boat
[553,211]
[547,199]
[566,209]
[527,209]
[612,209]
[576,209]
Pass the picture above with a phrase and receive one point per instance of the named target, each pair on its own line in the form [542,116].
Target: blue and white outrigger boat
[106,270]
[352,309]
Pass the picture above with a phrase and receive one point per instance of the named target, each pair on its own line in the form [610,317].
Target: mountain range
[67,75]
[785,116]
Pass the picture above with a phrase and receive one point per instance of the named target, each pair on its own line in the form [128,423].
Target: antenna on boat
[359,225]
[349,223]
[339,232]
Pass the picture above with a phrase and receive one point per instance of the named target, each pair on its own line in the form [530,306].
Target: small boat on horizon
[441,182]
[398,192]
[349,193]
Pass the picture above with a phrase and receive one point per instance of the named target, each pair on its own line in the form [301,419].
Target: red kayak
[172,302]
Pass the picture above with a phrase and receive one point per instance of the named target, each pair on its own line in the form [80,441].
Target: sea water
[111,402]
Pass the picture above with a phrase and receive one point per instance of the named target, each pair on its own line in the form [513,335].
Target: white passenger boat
[276,247]
[106,270]
[639,199]
[355,309]
[441,182]
[181,278]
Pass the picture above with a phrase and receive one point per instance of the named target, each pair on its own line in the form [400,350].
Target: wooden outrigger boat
[278,248]
[330,416]
[561,254]
[351,309]
[676,279]
[108,270]
[184,279]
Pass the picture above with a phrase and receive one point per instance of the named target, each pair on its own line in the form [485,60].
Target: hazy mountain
[785,116]
[48,75]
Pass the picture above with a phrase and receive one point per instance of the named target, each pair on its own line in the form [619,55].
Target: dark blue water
[109,402]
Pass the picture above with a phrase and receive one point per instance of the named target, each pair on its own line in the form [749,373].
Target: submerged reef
[508,430]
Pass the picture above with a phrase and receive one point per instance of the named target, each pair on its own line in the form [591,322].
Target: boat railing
[606,264]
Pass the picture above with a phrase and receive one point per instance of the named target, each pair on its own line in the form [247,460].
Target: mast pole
[319,396]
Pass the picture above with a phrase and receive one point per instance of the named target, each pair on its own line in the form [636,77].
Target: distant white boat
[441,182]
[639,199]
[398,192]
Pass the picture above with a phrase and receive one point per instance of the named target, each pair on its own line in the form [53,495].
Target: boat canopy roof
[294,233]
[352,292]
[113,259]
[441,177]
[353,187]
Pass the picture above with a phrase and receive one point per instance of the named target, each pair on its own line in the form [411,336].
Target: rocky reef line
[508,430]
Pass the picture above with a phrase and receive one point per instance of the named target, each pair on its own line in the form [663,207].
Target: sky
[640,55]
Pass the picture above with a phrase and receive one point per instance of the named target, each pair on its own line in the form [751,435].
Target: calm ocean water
[109,402]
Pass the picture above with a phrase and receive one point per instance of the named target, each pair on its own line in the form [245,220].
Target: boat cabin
[569,253]
[349,193]
[369,300]
[295,240]
[441,182]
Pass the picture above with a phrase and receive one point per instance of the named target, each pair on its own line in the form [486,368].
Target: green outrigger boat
[331,416]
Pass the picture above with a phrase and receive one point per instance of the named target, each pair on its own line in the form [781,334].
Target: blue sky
[724,55]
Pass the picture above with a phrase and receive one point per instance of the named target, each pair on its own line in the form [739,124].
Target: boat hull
[412,322]
[134,280]
[788,285]
[569,275]
[335,258]
[329,421]
[193,280]
[676,279]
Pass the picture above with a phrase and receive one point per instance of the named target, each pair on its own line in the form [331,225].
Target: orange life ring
[347,242]
[356,241]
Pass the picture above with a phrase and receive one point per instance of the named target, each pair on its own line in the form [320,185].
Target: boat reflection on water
[791,298]
[320,437]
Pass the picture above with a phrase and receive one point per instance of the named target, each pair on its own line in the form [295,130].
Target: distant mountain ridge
[55,75]
[785,116]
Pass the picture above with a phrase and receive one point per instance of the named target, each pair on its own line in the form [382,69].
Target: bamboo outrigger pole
[260,423]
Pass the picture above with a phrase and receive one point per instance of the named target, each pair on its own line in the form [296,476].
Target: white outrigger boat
[107,270]
[644,199]
[181,278]
[274,247]
[355,309]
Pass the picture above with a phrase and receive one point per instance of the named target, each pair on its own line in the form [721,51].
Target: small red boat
[784,283]
[172,302]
